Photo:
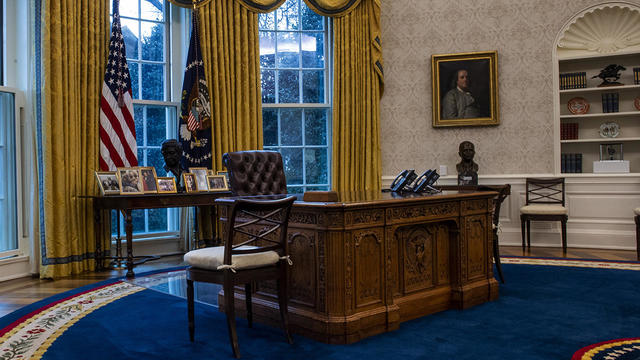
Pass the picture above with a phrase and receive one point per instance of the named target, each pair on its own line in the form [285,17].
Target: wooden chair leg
[523,226]
[247,301]
[638,237]
[529,234]
[496,255]
[283,295]
[564,236]
[229,309]
[190,306]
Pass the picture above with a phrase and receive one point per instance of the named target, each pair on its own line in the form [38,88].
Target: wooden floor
[17,293]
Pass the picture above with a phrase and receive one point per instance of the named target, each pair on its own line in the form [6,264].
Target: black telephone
[425,181]
[403,180]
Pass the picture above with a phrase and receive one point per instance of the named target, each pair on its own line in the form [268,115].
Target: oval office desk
[366,263]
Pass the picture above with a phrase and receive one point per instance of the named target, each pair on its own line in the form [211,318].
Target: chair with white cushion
[636,211]
[255,249]
[545,202]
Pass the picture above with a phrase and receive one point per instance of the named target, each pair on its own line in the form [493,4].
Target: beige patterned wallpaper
[523,33]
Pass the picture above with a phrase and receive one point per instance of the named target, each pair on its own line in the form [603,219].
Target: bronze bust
[467,168]
[172,153]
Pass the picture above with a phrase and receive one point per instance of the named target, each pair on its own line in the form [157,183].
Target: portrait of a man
[465,89]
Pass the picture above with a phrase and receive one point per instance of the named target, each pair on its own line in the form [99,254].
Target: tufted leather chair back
[255,172]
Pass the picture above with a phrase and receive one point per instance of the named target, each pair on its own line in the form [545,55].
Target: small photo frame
[189,182]
[108,182]
[167,185]
[217,183]
[225,173]
[149,183]
[210,172]
[201,177]
[611,152]
[130,181]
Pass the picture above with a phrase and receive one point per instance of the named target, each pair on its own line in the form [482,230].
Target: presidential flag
[117,129]
[195,110]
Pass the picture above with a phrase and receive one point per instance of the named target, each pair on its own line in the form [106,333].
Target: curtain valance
[261,6]
[332,8]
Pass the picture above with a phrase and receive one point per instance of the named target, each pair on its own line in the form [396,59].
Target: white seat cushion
[213,257]
[636,211]
[543,209]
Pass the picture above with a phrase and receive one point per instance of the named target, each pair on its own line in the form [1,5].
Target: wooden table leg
[128,226]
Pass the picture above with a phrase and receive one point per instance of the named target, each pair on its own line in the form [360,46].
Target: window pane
[295,189]
[267,49]
[313,50]
[8,199]
[137,217]
[131,34]
[288,86]
[153,76]
[288,50]
[317,188]
[287,15]
[152,10]
[268,81]
[313,87]
[311,20]
[292,159]
[267,21]
[152,41]
[315,127]
[155,159]
[156,125]
[128,8]
[141,159]
[291,126]
[316,165]
[138,119]
[157,220]
[270,127]
[133,71]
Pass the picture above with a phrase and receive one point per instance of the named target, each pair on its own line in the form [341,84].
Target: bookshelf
[579,50]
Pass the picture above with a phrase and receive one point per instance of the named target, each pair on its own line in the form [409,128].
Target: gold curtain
[74,39]
[332,8]
[231,56]
[357,88]
[261,6]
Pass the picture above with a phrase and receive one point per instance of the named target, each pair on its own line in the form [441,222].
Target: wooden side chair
[545,201]
[255,249]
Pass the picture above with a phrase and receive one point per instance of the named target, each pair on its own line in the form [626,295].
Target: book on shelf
[636,75]
[571,163]
[574,80]
[568,131]
[610,102]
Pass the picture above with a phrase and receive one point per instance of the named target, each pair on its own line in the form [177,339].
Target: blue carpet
[543,312]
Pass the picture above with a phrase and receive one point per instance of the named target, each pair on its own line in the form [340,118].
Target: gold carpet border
[598,349]
[595,264]
[80,305]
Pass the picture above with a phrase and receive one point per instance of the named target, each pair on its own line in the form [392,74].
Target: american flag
[117,129]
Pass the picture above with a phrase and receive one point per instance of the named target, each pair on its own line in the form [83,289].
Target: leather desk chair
[256,172]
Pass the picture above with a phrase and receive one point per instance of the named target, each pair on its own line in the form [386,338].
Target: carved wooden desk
[368,262]
[126,203]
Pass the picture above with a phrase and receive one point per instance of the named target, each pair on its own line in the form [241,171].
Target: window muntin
[295,93]
[145,28]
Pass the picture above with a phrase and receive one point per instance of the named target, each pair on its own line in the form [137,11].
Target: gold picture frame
[149,179]
[108,182]
[217,183]
[190,182]
[166,185]
[465,89]
[130,181]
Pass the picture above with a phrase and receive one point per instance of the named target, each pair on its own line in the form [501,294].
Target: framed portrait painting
[465,89]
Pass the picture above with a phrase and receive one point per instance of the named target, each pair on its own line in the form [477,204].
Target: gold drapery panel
[231,56]
[358,86]
[74,38]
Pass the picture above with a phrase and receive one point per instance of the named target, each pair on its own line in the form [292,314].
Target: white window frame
[328,101]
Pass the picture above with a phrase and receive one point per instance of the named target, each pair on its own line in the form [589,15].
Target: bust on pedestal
[172,153]
[467,168]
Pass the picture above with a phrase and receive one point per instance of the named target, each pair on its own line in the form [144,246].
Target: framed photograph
[611,152]
[210,172]
[190,182]
[149,184]
[465,89]
[108,182]
[217,183]
[167,185]
[201,174]
[129,180]
[225,173]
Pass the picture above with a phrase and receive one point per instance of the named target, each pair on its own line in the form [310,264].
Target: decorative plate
[636,102]
[609,130]
[578,106]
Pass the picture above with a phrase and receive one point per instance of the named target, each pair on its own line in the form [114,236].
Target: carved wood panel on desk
[361,267]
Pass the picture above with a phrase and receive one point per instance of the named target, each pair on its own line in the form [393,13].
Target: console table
[369,261]
[127,203]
